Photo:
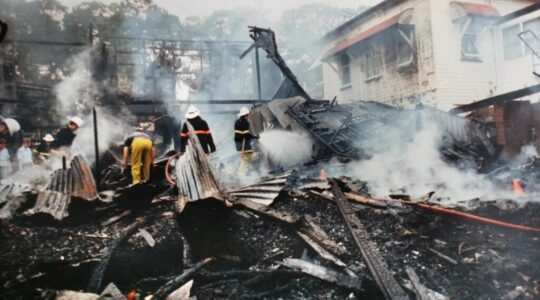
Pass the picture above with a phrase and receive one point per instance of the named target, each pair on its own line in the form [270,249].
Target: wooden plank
[323,273]
[378,268]
[319,249]
[421,291]
[178,281]
[116,218]
[268,212]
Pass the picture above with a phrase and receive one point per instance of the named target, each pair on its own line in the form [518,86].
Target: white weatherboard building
[438,52]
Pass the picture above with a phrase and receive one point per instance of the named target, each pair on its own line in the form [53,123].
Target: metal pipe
[96,146]
[258,68]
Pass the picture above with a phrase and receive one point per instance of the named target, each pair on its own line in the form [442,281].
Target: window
[373,64]
[469,27]
[405,41]
[405,47]
[531,38]
[518,38]
[513,47]
[345,69]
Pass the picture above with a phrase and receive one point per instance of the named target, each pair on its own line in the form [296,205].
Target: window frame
[344,69]
[407,42]
[467,31]
[524,50]
[374,66]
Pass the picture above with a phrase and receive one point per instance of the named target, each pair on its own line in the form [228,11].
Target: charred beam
[371,255]
[47,43]
[94,284]
[3,30]
[518,13]
[499,99]
[323,273]
[173,284]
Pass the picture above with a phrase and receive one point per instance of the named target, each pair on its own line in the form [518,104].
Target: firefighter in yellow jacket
[141,147]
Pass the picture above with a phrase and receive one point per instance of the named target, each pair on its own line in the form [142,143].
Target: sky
[273,9]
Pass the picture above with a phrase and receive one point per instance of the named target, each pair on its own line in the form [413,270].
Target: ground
[41,256]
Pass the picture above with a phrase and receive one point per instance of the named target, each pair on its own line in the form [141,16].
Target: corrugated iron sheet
[263,192]
[9,190]
[12,197]
[84,185]
[196,181]
[194,177]
[77,181]
[53,203]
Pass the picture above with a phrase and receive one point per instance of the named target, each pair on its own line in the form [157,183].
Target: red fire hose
[167,175]
[465,215]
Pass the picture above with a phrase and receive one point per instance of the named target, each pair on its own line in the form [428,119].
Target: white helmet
[192,112]
[48,138]
[243,111]
[12,125]
[78,121]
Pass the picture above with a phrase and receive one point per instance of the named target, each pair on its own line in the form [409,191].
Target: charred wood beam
[323,273]
[46,43]
[3,30]
[94,284]
[499,99]
[270,293]
[370,253]
[196,42]
[268,212]
[176,282]
[266,40]
[422,292]
[317,247]
[518,13]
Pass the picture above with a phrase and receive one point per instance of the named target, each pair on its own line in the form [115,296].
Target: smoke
[527,153]
[77,95]
[285,148]
[36,176]
[417,167]
[111,129]
[77,88]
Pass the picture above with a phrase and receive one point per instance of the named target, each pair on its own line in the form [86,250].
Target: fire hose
[167,175]
[447,211]
[469,216]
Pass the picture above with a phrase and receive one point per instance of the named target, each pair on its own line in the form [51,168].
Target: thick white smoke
[77,88]
[111,129]
[417,167]
[76,95]
[286,148]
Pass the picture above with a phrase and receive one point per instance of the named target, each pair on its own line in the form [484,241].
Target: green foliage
[48,20]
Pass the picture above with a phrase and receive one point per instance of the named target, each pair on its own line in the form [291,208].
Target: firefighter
[201,129]
[44,148]
[65,136]
[242,140]
[141,147]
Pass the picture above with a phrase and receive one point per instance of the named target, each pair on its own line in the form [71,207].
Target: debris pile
[319,238]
